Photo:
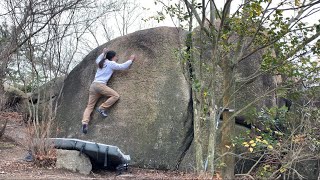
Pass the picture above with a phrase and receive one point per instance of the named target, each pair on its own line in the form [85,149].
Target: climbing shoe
[102,112]
[84,128]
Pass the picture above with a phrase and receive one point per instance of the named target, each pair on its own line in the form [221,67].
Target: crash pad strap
[106,157]
[98,150]
[82,148]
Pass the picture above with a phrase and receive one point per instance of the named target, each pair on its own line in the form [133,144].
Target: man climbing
[107,63]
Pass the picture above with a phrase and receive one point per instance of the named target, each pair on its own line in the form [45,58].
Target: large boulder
[152,120]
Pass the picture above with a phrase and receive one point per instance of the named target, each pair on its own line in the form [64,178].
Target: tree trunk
[197,134]
[212,140]
[228,122]
[197,112]
[3,128]
[2,96]
[212,100]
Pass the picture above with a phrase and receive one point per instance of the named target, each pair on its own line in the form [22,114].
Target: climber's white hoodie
[104,74]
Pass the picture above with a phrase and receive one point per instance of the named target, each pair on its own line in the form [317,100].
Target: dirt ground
[13,166]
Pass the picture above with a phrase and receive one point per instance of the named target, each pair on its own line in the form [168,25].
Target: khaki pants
[95,92]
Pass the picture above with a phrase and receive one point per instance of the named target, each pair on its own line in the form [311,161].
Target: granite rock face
[152,120]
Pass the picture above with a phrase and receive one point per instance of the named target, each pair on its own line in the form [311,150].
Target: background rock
[48,91]
[14,98]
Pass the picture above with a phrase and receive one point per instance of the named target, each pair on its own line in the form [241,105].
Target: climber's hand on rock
[105,50]
[133,57]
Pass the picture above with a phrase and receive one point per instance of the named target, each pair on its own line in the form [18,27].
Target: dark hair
[109,55]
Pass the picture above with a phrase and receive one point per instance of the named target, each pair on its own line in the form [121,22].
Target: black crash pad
[101,155]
